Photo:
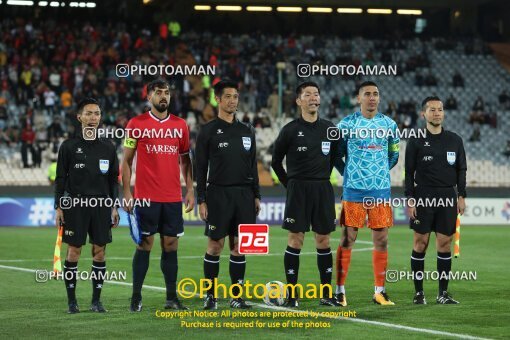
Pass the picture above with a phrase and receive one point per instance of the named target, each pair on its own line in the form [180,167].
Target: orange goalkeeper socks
[380,263]
[343,260]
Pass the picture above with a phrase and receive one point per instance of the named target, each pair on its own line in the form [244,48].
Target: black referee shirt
[310,154]
[229,152]
[438,160]
[86,168]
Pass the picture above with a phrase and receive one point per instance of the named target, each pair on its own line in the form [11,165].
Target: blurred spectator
[506,152]
[55,130]
[430,80]
[54,79]
[49,100]
[257,120]
[27,143]
[272,103]
[477,117]
[418,79]
[479,104]
[66,99]
[475,137]
[345,102]
[3,117]
[246,118]
[504,100]
[451,103]
[457,80]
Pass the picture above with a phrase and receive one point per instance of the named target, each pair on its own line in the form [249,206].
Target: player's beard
[162,108]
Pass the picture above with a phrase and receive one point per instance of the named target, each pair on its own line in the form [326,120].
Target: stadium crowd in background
[46,67]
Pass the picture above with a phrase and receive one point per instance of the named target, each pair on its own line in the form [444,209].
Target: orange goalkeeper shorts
[354,214]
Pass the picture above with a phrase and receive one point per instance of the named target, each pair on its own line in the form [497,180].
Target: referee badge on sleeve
[104,165]
[247,143]
[450,157]
[325,147]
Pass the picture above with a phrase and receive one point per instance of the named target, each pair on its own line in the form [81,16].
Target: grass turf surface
[29,308]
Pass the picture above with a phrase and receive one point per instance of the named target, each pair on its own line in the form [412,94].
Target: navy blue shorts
[163,218]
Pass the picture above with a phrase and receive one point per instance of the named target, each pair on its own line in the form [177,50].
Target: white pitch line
[371,322]
[157,258]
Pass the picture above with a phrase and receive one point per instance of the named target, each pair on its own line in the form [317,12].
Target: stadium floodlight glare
[319,9]
[41,3]
[202,8]
[54,4]
[289,9]
[259,8]
[409,11]
[229,8]
[20,3]
[379,11]
[349,10]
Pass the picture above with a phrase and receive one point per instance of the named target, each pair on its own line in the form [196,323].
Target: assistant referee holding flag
[87,168]
[226,147]
[310,197]
[436,163]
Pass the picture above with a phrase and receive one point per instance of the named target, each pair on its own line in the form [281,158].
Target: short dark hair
[224,84]
[158,83]
[86,101]
[304,85]
[427,100]
[365,84]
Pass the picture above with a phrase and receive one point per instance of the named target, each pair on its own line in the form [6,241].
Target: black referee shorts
[96,221]
[310,203]
[439,213]
[227,207]
[164,218]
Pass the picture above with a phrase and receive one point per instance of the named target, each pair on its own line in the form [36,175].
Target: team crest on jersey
[247,143]
[104,165]
[325,147]
[450,157]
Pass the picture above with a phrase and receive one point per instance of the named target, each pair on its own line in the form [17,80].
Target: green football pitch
[29,308]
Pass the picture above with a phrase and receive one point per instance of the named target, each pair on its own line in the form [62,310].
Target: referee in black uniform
[310,197]
[436,163]
[87,170]
[226,147]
